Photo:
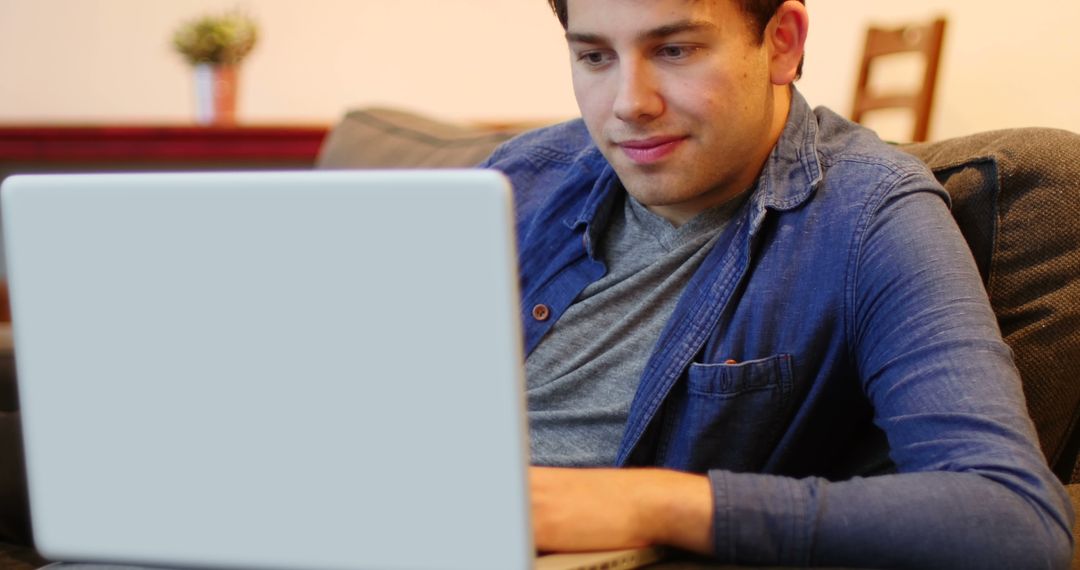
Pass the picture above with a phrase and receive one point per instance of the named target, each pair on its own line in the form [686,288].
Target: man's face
[677,95]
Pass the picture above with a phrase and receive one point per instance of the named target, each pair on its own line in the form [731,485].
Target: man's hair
[759,12]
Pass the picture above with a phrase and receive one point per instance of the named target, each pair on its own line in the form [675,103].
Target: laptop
[274,370]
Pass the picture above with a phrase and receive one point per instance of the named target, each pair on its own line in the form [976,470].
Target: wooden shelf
[42,145]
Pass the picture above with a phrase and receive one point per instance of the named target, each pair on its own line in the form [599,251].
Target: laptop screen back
[310,369]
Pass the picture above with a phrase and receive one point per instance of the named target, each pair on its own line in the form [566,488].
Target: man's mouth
[650,150]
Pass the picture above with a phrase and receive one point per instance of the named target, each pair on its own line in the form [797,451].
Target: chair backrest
[924,39]
[1016,198]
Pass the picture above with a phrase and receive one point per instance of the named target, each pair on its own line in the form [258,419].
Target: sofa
[1015,195]
[1016,198]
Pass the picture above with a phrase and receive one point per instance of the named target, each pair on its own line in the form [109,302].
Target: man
[766,312]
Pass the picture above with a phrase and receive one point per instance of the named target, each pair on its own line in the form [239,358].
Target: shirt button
[541,312]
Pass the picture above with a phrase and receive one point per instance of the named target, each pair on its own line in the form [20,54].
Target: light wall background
[110,61]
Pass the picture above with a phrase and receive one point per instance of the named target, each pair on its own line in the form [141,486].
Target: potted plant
[216,45]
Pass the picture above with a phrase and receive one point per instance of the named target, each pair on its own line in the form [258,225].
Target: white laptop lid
[274,370]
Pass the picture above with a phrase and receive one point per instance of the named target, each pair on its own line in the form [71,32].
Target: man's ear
[786,36]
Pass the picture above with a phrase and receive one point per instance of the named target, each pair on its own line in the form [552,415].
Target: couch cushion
[1016,197]
[387,138]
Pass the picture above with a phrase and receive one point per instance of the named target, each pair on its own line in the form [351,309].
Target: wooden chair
[925,39]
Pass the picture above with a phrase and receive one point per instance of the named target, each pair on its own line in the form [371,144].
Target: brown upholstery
[1016,197]
[387,138]
[14,510]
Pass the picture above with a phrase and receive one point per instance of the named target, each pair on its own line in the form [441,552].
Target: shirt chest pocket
[730,416]
[731,380]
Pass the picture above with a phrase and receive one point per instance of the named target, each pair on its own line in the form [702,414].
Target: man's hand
[602,509]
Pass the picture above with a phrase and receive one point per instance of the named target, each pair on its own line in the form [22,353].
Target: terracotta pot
[215,94]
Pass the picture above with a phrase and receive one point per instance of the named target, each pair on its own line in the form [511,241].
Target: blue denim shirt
[834,364]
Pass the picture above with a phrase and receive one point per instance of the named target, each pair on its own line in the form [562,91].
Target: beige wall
[1005,64]
[110,60]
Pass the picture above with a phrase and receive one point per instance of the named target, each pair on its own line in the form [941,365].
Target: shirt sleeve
[972,489]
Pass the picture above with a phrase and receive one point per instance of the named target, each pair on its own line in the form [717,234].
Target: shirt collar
[594,213]
[793,169]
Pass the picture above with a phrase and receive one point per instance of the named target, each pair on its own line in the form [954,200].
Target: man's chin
[652,195]
[652,183]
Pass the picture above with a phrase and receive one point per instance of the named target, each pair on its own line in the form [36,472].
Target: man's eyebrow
[677,28]
[580,38]
[653,34]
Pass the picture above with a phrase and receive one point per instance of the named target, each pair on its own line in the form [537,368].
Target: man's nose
[638,97]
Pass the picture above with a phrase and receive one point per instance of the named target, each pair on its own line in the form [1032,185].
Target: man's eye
[675,52]
[593,58]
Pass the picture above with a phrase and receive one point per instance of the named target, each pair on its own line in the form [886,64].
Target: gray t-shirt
[583,374]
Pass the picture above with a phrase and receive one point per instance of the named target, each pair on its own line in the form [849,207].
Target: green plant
[224,39]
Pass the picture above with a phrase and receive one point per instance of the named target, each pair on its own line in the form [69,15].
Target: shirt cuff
[763,519]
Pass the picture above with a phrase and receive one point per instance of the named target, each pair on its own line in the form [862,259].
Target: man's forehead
[698,7]
[646,17]
[571,4]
